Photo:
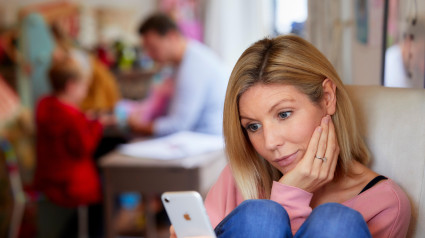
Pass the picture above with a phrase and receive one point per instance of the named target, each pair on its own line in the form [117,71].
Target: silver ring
[321,158]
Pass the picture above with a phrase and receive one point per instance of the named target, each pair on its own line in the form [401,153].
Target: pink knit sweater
[385,207]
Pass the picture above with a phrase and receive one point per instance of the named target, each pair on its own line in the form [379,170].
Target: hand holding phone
[187,214]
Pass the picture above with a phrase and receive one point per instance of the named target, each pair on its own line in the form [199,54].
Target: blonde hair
[288,60]
[62,72]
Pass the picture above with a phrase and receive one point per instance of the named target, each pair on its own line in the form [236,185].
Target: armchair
[392,121]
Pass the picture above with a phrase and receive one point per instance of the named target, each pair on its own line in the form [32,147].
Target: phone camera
[166,200]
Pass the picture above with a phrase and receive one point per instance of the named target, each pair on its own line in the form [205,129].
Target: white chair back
[392,121]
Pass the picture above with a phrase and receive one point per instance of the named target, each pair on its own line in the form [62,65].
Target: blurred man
[198,84]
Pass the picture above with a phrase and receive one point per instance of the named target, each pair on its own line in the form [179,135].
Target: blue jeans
[266,218]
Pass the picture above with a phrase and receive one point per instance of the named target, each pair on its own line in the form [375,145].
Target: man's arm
[139,127]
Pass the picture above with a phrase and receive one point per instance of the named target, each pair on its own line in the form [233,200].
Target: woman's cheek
[258,145]
[304,131]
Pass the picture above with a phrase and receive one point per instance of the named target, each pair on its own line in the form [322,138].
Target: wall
[126,27]
[366,64]
[115,19]
[333,26]
[367,58]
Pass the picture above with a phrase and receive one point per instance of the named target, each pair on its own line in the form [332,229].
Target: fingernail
[319,129]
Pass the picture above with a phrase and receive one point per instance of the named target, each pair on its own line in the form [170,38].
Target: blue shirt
[197,104]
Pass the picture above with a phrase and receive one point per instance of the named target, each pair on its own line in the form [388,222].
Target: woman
[292,141]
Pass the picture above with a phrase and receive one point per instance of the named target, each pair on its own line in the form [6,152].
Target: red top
[66,140]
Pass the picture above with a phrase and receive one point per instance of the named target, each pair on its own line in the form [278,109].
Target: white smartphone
[187,214]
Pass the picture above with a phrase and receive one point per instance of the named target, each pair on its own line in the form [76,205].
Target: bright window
[290,16]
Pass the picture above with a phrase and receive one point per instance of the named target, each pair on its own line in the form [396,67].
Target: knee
[263,209]
[335,213]
[334,217]
[260,204]
[255,218]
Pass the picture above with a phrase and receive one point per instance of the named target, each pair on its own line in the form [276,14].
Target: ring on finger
[321,158]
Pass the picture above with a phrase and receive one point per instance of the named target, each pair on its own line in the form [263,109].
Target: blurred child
[103,92]
[66,139]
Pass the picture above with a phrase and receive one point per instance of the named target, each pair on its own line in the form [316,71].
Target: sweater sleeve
[224,196]
[295,201]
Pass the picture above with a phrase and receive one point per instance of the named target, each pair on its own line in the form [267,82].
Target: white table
[123,173]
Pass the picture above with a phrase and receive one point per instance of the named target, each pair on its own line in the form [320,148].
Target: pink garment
[385,207]
[154,106]
[10,104]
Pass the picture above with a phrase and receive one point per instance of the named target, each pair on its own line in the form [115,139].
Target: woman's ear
[329,96]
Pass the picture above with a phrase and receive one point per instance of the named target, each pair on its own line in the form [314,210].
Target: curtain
[328,28]
[232,26]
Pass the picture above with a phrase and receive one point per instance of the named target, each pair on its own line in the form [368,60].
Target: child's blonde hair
[62,72]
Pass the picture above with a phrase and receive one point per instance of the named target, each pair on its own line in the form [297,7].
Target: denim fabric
[266,218]
[255,218]
[334,220]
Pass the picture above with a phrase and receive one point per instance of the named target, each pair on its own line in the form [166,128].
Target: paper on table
[175,146]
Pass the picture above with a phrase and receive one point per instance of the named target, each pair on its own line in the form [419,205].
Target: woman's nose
[273,137]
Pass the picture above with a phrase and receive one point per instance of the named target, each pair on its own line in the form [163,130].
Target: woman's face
[279,120]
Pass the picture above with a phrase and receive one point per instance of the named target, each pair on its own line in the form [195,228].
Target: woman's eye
[253,127]
[284,115]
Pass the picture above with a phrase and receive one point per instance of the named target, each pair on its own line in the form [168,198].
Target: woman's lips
[286,160]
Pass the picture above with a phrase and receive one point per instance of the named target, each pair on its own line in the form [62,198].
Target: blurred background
[370,42]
